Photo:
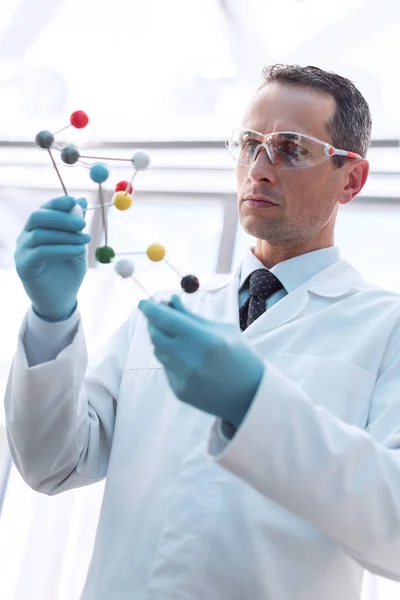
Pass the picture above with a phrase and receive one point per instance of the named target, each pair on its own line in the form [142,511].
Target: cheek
[304,189]
[242,175]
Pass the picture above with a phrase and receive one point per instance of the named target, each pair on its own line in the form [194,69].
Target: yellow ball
[122,200]
[156,252]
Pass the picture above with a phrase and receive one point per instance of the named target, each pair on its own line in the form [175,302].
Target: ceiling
[183,68]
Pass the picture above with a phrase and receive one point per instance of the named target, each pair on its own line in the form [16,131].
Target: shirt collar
[294,272]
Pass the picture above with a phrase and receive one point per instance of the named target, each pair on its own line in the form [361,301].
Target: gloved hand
[208,364]
[50,258]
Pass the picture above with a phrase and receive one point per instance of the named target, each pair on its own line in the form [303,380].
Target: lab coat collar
[339,279]
[336,280]
[294,272]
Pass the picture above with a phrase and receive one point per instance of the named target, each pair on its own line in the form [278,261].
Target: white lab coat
[304,496]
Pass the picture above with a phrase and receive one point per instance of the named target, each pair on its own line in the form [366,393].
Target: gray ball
[44,139]
[140,160]
[70,155]
[124,268]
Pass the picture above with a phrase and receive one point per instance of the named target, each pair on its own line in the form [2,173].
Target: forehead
[281,107]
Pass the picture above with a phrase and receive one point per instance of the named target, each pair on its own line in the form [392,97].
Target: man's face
[305,200]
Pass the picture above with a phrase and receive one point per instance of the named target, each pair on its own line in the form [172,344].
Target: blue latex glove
[50,258]
[208,365]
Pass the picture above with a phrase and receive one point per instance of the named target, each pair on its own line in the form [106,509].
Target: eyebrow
[287,130]
[283,130]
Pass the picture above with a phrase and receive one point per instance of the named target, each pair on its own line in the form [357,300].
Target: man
[249,433]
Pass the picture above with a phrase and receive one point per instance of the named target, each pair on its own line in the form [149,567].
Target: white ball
[77,210]
[140,160]
[124,267]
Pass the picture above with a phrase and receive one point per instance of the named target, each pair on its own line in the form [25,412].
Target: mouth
[259,201]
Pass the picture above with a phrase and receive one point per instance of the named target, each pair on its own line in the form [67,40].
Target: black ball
[190,284]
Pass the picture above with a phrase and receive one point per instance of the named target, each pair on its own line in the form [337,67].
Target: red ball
[122,185]
[79,119]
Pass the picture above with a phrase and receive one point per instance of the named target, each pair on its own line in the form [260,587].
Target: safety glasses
[285,149]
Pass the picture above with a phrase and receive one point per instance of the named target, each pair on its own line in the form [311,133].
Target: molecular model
[122,199]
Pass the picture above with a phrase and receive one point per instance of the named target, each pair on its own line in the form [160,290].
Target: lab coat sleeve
[43,341]
[342,479]
[60,415]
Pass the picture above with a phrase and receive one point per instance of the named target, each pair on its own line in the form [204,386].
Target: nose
[262,167]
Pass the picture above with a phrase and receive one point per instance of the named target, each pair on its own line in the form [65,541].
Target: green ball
[104,254]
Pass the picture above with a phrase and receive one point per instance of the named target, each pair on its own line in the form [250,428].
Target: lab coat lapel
[224,307]
[223,304]
[337,280]
[282,312]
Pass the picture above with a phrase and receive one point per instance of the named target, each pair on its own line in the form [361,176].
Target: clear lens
[287,150]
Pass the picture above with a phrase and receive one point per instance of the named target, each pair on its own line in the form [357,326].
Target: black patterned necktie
[263,284]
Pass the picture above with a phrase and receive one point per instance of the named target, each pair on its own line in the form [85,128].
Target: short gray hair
[351,124]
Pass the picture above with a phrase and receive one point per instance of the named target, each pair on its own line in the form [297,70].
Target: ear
[355,180]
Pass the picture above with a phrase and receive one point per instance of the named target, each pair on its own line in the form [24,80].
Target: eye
[291,152]
[248,146]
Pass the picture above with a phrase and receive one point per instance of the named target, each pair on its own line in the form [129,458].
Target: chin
[269,230]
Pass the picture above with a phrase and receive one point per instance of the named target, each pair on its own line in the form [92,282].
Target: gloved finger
[80,208]
[82,202]
[54,219]
[165,359]
[63,203]
[44,237]
[47,253]
[177,303]
[168,319]
[160,338]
